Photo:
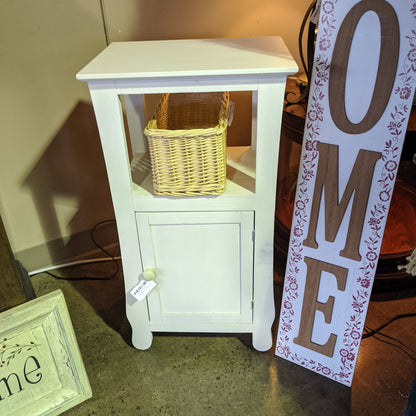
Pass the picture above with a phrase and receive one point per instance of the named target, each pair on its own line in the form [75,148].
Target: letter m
[6,383]
[358,188]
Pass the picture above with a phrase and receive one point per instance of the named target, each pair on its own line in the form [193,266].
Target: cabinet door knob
[149,274]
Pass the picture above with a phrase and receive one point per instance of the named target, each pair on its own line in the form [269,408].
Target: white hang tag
[231,107]
[142,289]
[315,15]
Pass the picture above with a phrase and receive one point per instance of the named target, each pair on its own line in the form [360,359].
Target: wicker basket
[187,144]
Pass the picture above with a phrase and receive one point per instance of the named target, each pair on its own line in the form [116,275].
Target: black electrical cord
[104,22]
[113,259]
[403,349]
[310,52]
[372,332]
[376,333]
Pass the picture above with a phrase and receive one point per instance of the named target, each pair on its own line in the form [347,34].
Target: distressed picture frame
[41,369]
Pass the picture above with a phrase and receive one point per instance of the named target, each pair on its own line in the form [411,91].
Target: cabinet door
[203,263]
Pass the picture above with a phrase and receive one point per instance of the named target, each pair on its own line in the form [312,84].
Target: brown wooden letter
[311,305]
[359,184]
[389,55]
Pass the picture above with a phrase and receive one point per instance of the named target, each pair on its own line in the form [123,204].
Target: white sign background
[386,136]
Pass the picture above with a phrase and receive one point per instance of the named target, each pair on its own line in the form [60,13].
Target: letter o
[386,74]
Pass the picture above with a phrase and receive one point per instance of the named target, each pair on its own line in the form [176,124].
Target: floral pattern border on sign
[390,157]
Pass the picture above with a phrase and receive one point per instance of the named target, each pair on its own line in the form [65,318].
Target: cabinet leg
[142,337]
[262,339]
[141,340]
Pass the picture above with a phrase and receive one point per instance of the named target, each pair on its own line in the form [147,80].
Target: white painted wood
[197,326]
[208,203]
[41,369]
[198,83]
[269,114]
[203,264]
[259,65]
[110,122]
[190,57]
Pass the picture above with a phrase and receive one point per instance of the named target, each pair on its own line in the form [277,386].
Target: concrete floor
[197,374]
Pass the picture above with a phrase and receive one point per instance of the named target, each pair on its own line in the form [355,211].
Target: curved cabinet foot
[141,340]
[262,339]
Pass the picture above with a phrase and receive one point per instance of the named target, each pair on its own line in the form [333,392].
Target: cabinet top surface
[190,57]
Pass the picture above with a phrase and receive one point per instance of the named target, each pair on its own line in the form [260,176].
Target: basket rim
[152,130]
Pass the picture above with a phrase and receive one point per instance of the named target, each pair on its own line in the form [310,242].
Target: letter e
[311,305]
[37,367]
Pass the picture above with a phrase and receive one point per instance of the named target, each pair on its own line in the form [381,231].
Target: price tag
[231,112]
[315,15]
[142,289]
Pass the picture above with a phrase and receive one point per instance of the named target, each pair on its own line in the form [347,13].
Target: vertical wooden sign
[361,95]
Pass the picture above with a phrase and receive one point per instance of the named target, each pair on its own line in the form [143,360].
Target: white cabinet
[203,264]
[212,255]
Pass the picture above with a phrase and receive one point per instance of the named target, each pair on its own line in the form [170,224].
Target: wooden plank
[359,105]
[190,57]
